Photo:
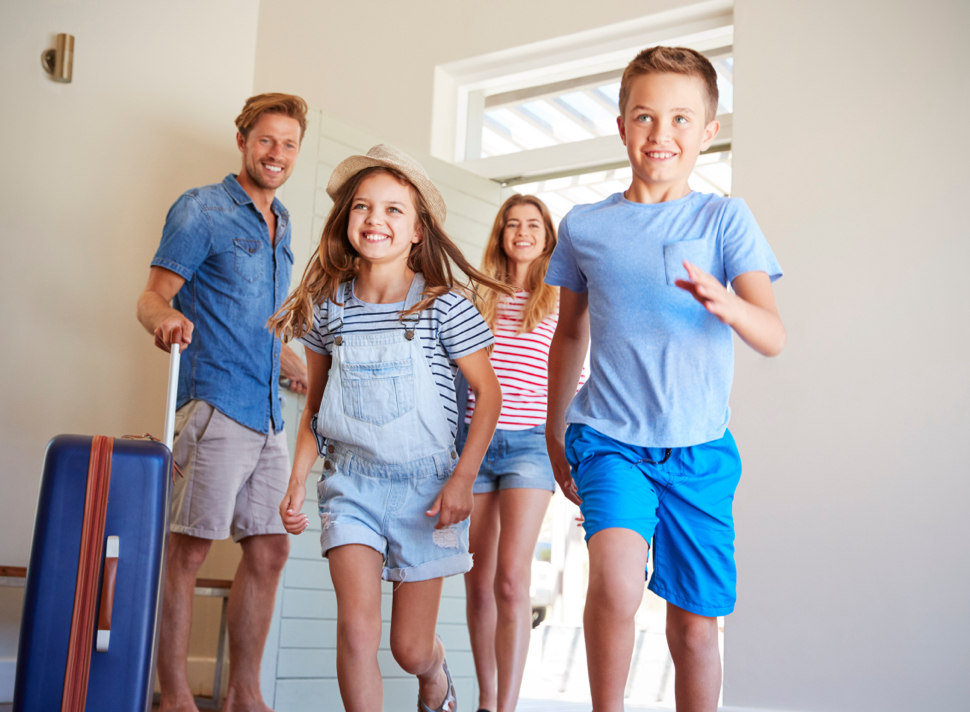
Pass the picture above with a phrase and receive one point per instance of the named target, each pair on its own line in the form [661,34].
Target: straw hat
[390,157]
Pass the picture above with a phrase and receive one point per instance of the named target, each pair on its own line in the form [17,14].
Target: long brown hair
[543,298]
[336,262]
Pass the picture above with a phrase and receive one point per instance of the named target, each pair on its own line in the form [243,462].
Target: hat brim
[349,167]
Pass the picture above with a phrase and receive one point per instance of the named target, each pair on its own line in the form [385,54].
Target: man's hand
[561,468]
[174,329]
[454,503]
[294,370]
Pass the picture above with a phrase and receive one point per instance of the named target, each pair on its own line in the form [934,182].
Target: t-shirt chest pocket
[698,252]
[248,259]
[377,392]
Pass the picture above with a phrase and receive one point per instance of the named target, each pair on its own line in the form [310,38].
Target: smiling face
[383,224]
[524,235]
[270,151]
[664,130]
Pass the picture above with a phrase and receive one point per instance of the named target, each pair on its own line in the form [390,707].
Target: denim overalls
[388,450]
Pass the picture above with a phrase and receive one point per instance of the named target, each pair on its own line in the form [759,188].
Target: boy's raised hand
[711,294]
[750,310]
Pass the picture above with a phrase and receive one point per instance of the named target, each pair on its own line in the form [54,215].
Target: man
[224,264]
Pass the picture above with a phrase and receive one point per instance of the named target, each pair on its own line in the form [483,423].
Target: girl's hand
[454,503]
[294,520]
[711,294]
[561,468]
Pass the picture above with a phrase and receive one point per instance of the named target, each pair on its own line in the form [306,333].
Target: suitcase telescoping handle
[168,436]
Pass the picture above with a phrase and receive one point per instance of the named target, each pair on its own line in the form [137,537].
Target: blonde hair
[543,298]
[336,262]
[673,60]
[285,104]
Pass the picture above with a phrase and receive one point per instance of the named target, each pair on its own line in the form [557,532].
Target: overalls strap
[415,292]
[336,310]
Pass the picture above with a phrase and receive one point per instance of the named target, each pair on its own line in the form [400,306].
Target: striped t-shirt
[521,363]
[449,329]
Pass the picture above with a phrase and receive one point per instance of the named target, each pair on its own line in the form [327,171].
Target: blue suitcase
[94,579]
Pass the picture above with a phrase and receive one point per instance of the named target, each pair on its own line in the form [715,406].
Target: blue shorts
[383,506]
[683,505]
[516,459]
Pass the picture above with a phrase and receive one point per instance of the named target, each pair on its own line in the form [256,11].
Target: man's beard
[258,179]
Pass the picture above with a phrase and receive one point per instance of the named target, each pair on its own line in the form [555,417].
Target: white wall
[853,533]
[90,170]
[373,65]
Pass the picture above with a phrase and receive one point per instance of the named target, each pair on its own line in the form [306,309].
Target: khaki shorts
[233,479]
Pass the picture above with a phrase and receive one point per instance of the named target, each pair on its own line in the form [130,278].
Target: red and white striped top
[521,364]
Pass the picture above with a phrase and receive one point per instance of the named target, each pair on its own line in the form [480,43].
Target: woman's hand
[454,503]
[294,520]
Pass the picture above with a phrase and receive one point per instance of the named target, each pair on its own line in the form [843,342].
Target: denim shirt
[235,279]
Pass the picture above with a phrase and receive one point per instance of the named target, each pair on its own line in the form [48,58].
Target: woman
[515,482]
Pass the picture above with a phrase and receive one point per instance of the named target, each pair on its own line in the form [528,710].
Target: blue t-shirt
[661,365]
[235,279]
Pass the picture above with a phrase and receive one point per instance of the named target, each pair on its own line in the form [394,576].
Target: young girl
[514,485]
[384,327]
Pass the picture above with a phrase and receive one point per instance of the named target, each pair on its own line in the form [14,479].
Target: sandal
[450,703]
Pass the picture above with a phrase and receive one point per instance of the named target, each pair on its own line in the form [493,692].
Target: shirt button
[330,449]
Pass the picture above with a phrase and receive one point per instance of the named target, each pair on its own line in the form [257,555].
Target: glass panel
[595,113]
[518,130]
[563,128]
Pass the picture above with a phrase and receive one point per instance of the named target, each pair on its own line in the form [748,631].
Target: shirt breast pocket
[377,392]
[248,260]
[697,252]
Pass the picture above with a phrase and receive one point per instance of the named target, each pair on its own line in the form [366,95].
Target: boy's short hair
[273,103]
[672,60]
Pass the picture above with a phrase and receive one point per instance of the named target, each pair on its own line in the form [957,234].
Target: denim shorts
[684,505]
[383,506]
[515,459]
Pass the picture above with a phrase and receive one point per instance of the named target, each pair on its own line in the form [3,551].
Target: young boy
[647,454]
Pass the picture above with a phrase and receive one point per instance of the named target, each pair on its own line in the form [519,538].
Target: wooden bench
[16,576]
